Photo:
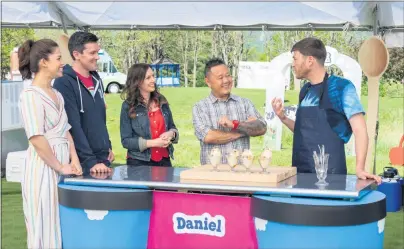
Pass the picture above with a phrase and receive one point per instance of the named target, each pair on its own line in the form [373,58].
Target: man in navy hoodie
[83,92]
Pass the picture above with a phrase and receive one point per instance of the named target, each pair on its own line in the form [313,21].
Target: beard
[301,74]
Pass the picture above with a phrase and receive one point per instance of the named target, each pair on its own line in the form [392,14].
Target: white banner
[253,75]
[275,89]
[268,76]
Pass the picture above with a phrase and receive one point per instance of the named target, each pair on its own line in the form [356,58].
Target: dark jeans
[165,162]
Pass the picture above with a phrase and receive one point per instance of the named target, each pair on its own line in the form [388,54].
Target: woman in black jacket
[147,126]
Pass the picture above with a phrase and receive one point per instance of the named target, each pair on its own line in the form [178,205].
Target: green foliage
[395,70]
[334,70]
[11,38]
[133,46]
[383,90]
[282,41]
[391,88]
[364,88]
[387,88]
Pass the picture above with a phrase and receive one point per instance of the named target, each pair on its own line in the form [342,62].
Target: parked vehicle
[113,80]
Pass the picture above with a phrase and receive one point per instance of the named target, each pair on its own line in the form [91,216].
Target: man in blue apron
[329,112]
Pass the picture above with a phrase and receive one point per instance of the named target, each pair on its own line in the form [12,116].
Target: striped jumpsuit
[42,116]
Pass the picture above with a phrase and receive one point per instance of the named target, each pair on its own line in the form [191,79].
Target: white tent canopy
[385,17]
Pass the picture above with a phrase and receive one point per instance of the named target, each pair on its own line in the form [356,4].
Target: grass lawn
[187,153]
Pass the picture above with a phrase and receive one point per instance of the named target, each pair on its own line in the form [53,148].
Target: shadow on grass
[11,192]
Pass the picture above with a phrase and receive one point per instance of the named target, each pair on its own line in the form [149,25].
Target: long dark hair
[131,92]
[31,52]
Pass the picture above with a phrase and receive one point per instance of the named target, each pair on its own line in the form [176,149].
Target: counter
[178,214]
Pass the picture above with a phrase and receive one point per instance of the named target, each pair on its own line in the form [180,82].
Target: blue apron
[313,129]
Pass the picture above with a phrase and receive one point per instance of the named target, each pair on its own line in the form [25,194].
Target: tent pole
[61,15]
[376,21]
[376,32]
[63,23]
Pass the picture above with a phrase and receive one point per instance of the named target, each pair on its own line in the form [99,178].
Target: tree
[238,45]
[184,45]
[395,70]
[196,47]
[11,38]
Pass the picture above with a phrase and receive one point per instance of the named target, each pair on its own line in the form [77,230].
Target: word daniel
[199,224]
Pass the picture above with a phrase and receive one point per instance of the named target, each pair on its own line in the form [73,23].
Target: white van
[113,80]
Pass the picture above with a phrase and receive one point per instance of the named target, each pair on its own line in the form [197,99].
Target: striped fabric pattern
[41,116]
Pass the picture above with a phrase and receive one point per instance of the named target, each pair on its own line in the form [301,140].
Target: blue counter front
[319,223]
[99,217]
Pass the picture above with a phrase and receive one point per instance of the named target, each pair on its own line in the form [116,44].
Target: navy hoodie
[87,116]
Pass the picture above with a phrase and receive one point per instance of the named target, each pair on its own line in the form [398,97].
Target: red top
[157,127]
[87,81]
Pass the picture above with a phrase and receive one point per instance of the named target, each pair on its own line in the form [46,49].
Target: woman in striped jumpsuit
[51,151]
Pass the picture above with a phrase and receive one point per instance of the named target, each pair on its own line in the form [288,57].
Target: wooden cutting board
[274,174]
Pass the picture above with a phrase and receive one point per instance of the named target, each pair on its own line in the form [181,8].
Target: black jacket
[135,131]
[87,116]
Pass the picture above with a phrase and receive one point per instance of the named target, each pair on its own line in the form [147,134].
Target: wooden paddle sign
[373,58]
[63,42]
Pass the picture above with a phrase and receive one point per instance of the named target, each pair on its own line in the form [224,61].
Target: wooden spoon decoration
[373,58]
[63,42]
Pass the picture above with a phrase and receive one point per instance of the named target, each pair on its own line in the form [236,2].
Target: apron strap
[303,92]
[324,86]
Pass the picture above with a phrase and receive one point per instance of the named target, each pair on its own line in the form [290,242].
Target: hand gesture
[168,135]
[225,122]
[361,174]
[161,143]
[100,168]
[68,169]
[77,167]
[277,106]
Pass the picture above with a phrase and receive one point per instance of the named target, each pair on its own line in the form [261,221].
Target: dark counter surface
[167,178]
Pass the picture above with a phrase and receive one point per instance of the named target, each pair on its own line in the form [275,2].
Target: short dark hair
[213,63]
[79,39]
[311,46]
[31,52]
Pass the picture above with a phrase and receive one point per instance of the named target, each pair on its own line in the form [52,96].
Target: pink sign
[193,221]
